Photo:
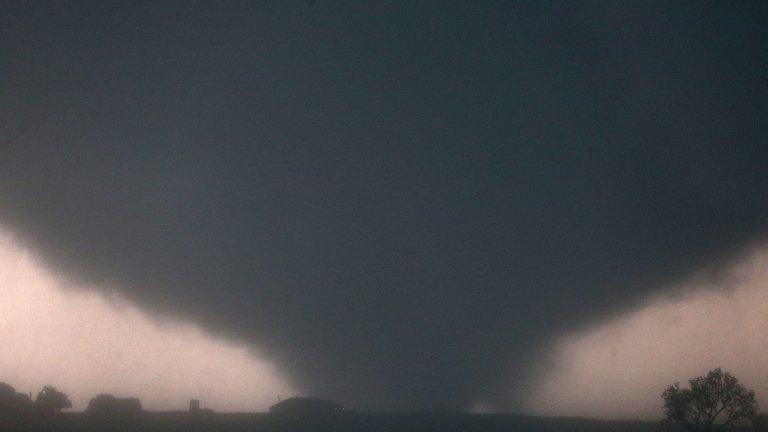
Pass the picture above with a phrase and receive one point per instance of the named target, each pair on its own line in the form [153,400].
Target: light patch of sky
[619,368]
[84,343]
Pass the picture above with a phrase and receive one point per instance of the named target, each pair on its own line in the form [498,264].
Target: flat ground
[353,422]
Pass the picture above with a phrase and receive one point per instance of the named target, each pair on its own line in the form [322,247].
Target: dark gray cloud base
[399,201]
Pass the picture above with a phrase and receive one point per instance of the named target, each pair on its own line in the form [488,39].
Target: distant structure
[110,406]
[196,408]
[306,407]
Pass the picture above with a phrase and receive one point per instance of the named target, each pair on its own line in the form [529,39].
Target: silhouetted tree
[51,400]
[12,401]
[6,391]
[714,402]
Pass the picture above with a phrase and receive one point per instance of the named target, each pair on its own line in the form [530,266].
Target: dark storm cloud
[399,202]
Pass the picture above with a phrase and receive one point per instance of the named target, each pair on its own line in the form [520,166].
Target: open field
[237,422]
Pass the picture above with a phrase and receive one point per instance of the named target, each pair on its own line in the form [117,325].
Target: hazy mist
[86,342]
[618,368]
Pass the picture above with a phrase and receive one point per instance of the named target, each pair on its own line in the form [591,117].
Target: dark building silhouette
[195,407]
[306,407]
[108,405]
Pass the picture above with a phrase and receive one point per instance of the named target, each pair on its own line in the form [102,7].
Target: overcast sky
[397,205]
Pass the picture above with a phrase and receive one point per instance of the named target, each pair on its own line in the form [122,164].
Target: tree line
[716,401]
[48,400]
